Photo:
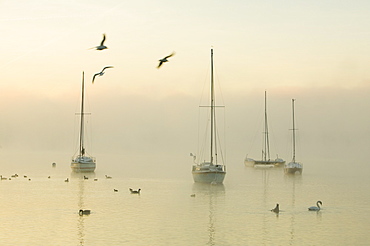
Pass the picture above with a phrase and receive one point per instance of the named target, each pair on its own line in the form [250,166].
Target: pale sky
[317,52]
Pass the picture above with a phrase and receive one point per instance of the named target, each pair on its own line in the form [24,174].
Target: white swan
[313,208]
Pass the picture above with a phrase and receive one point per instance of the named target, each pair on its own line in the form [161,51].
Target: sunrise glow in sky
[317,52]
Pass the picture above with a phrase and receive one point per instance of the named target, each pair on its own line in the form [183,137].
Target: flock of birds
[132,191]
[81,211]
[312,208]
[14,176]
[103,47]
[87,212]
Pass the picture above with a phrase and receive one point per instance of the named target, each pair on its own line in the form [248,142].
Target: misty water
[39,210]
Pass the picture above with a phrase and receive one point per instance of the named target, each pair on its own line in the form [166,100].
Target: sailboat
[293,166]
[210,171]
[265,161]
[82,162]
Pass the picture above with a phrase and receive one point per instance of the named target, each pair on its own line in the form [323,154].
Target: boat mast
[266,151]
[293,100]
[212,106]
[82,149]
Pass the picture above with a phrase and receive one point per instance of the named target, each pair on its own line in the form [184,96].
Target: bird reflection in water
[81,219]
[81,229]
[293,180]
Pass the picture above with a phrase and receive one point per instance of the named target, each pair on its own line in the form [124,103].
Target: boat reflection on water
[80,179]
[211,193]
[294,180]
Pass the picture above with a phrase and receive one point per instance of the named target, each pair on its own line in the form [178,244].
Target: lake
[39,210]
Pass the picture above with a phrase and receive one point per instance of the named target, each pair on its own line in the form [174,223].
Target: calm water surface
[44,211]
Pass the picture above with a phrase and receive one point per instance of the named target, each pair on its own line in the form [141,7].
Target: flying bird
[101,46]
[163,60]
[100,73]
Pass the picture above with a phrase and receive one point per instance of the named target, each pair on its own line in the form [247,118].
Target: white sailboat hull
[206,173]
[260,163]
[83,164]
[209,177]
[249,162]
[293,167]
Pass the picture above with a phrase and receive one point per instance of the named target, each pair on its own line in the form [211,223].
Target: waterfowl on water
[313,208]
[276,209]
[135,191]
[84,212]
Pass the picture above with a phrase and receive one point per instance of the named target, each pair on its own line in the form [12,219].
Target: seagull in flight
[100,73]
[101,46]
[163,60]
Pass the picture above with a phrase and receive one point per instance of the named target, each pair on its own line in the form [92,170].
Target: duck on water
[84,212]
